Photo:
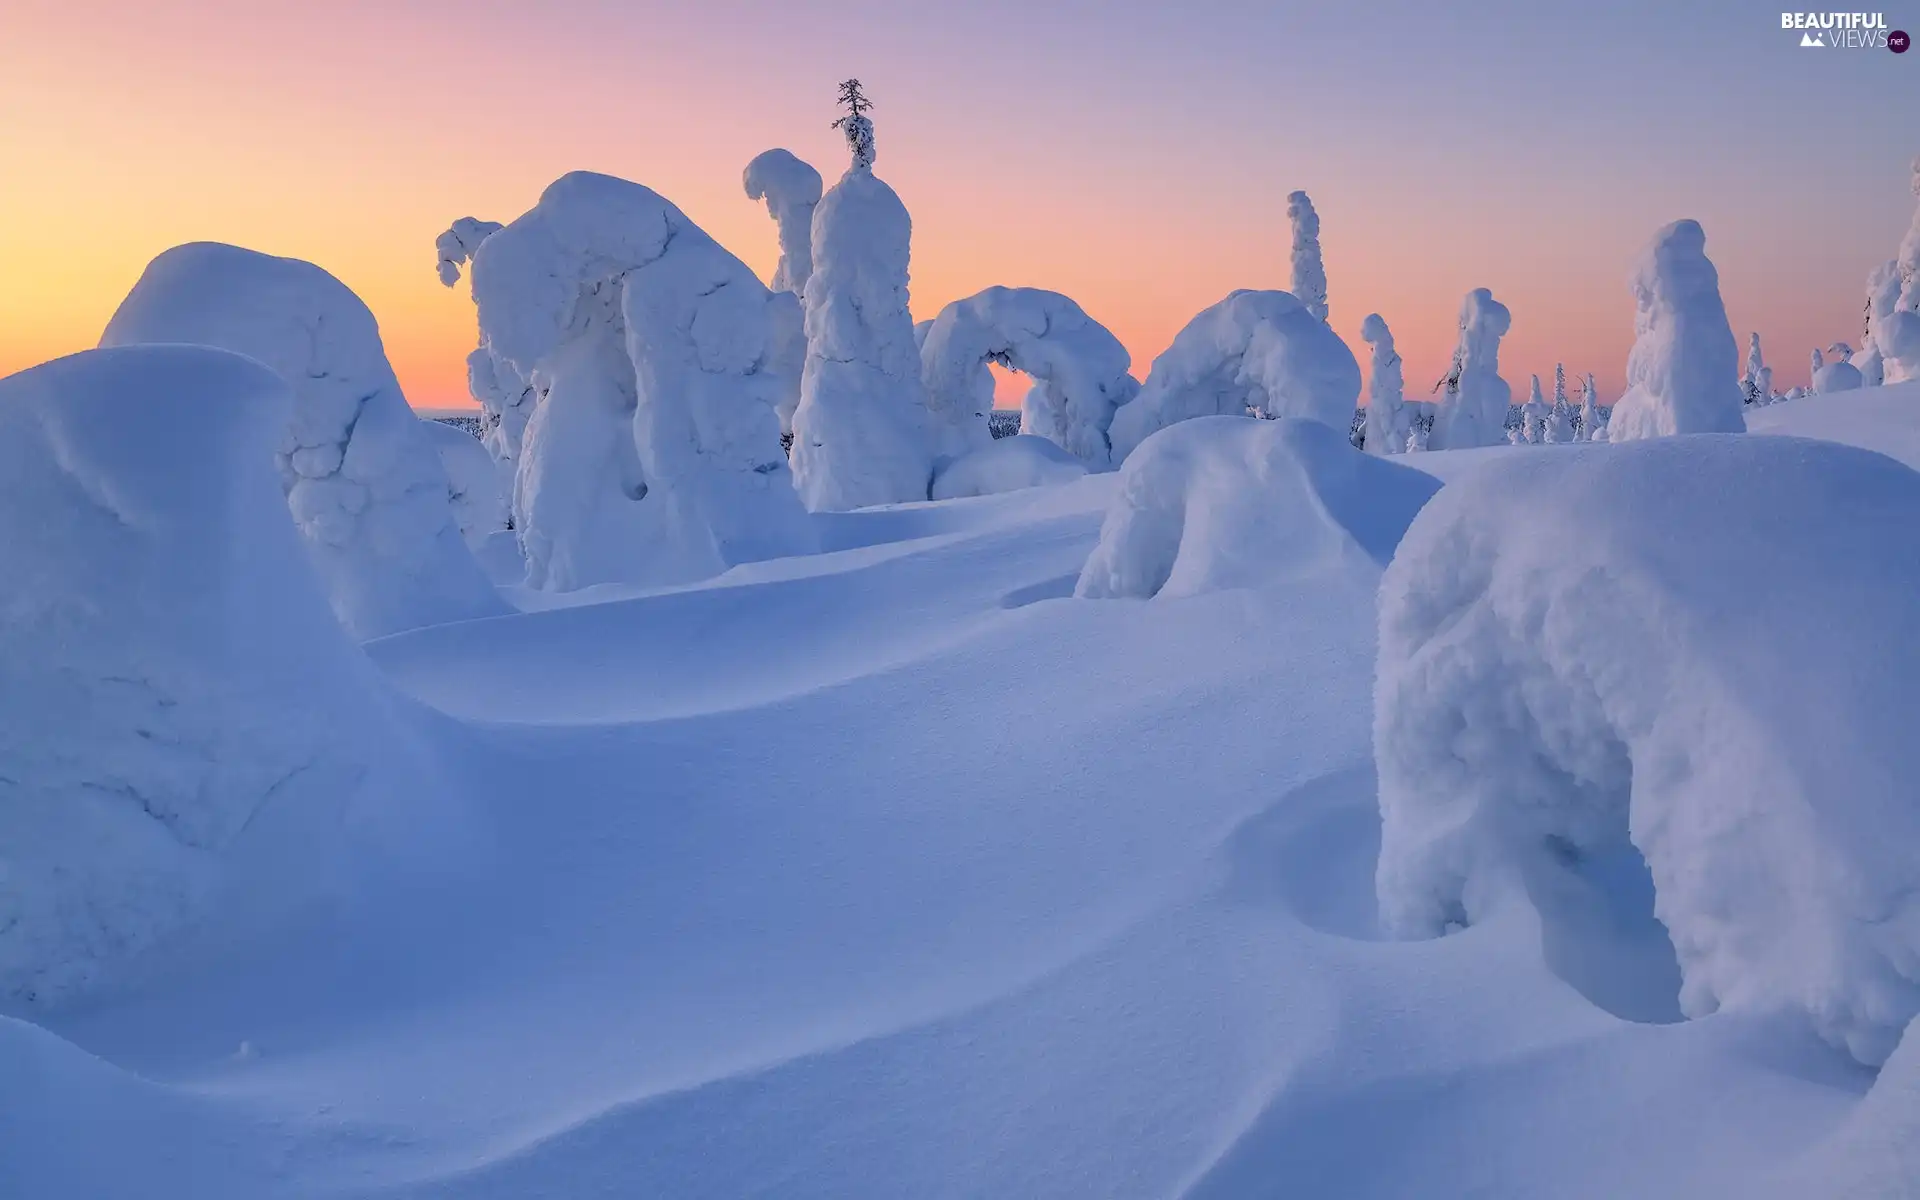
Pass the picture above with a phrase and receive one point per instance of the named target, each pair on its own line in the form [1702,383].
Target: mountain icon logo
[1812,39]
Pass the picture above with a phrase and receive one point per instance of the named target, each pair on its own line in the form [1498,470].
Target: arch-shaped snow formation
[1080,370]
[1711,671]
[1253,350]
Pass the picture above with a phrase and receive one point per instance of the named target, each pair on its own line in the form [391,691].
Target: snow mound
[1683,374]
[1710,676]
[654,456]
[1837,377]
[477,487]
[1224,502]
[1079,369]
[1006,465]
[1259,351]
[862,432]
[365,487]
[168,662]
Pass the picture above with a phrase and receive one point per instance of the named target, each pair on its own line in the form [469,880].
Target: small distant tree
[1841,351]
[1309,270]
[855,125]
[1750,382]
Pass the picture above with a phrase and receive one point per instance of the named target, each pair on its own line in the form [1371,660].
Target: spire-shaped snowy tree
[1683,375]
[1589,410]
[1309,271]
[1388,426]
[1765,380]
[1817,364]
[1750,382]
[1534,414]
[1474,410]
[1560,416]
[861,432]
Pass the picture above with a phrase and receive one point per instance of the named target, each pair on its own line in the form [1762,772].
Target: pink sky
[1135,158]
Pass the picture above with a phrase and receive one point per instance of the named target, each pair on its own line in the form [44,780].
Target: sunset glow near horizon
[1142,171]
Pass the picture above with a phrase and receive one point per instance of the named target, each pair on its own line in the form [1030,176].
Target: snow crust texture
[1255,351]
[169,665]
[1704,676]
[654,455]
[1683,374]
[1080,370]
[366,489]
[1223,502]
[862,434]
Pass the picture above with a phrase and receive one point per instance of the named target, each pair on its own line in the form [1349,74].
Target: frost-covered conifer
[1309,270]
[1387,423]
[1533,415]
[1474,410]
[856,125]
[1750,382]
[1683,375]
[1560,417]
[791,189]
[1589,410]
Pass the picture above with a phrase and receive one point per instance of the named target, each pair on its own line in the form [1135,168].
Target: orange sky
[351,133]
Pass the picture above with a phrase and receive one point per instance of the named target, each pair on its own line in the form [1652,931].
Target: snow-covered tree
[1560,417]
[1840,375]
[456,246]
[364,485]
[1883,299]
[1750,382]
[655,454]
[1474,410]
[1080,371]
[1765,381]
[1309,284]
[1388,426]
[861,434]
[1683,375]
[791,189]
[1817,364]
[855,125]
[1419,425]
[1533,415]
[506,399]
[1255,351]
[1589,410]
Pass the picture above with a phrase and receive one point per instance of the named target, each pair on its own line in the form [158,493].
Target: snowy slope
[895,871]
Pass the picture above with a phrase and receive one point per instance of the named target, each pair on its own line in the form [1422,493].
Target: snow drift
[1259,351]
[1709,675]
[1006,465]
[1079,369]
[169,666]
[1683,374]
[655,453]
[365,486]
[861,434]
[1224,502]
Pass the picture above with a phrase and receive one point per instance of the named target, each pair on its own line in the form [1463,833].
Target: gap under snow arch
[1715,672]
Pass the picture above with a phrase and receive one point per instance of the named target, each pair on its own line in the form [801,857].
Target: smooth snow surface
[1223,502]
[1677,684]
[862,434]
[364,484]
[1683,374]
[1254,351]
[169,666]
[1080,370]
[895,871]
[655,455]
[1006,465]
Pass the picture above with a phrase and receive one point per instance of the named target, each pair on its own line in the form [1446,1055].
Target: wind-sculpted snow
[1473,412]
[365,486]
[862,433]
[1711,674]
[1258,351]
[791,189]
[1683,375]
[479,490]
[1079,369]
[455,247]
[168,663]
[655,454]
[1223,502]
